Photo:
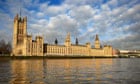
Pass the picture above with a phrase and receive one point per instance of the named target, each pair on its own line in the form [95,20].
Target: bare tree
[5,48]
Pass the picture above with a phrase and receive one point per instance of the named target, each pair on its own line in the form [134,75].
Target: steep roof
[96,38]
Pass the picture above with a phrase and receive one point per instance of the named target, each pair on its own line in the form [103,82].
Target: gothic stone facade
[23,45]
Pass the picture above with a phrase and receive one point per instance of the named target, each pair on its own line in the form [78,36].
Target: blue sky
[117,22]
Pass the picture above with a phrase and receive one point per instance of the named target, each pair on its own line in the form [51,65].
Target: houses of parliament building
[24,45]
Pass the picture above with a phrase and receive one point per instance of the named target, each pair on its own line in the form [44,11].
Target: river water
[70,71]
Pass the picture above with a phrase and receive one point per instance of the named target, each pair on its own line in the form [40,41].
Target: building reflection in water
[62,71]
[102,70]
[19,70]
[27,71]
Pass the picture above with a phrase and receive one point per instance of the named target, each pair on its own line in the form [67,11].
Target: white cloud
[82,12]
[97,17]
[40,14]
[62,24]
[53,10]
[115,21]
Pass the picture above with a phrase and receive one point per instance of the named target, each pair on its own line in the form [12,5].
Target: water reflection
[61,71]
[69,71]
[27,71]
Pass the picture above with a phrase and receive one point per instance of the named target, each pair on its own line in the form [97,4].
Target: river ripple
[70,71]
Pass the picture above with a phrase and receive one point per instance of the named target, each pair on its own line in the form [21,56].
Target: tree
[8,48]
[5,48]
[2,46]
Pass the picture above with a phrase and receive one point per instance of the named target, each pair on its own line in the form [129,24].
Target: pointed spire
[76,42]
[97,42]
[68,36]
[56,41]
[96,38]
[20,12]
[20,19]
[16,17]
[25,19]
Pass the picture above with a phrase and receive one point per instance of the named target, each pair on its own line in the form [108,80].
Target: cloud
[116,21]
[82,14]
[61,25]
[53,10]
[126,42]
[5,35]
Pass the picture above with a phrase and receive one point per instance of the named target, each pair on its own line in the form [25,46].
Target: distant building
[23,45]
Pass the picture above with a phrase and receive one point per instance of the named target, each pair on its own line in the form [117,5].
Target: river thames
[70,71]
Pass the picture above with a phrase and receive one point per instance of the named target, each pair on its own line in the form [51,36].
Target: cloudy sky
[117,22]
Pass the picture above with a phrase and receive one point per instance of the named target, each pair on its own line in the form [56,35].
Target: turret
[97,42]
[88,45]
[15,25]
[19,33]
[76,42]
[67,41]
[25,25]
[40,43]
[16,18]
[108,50]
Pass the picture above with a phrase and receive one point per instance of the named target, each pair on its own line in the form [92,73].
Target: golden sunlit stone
[23,45]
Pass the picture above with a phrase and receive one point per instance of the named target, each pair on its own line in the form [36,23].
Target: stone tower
[67,41]
[19,34]
[97,42]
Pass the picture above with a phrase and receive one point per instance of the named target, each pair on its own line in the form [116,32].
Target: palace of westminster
[23,45]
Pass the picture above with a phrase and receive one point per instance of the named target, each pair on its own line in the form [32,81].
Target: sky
[117,22]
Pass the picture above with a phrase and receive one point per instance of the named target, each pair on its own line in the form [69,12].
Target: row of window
[66,50]
[34,48]
[20,31]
